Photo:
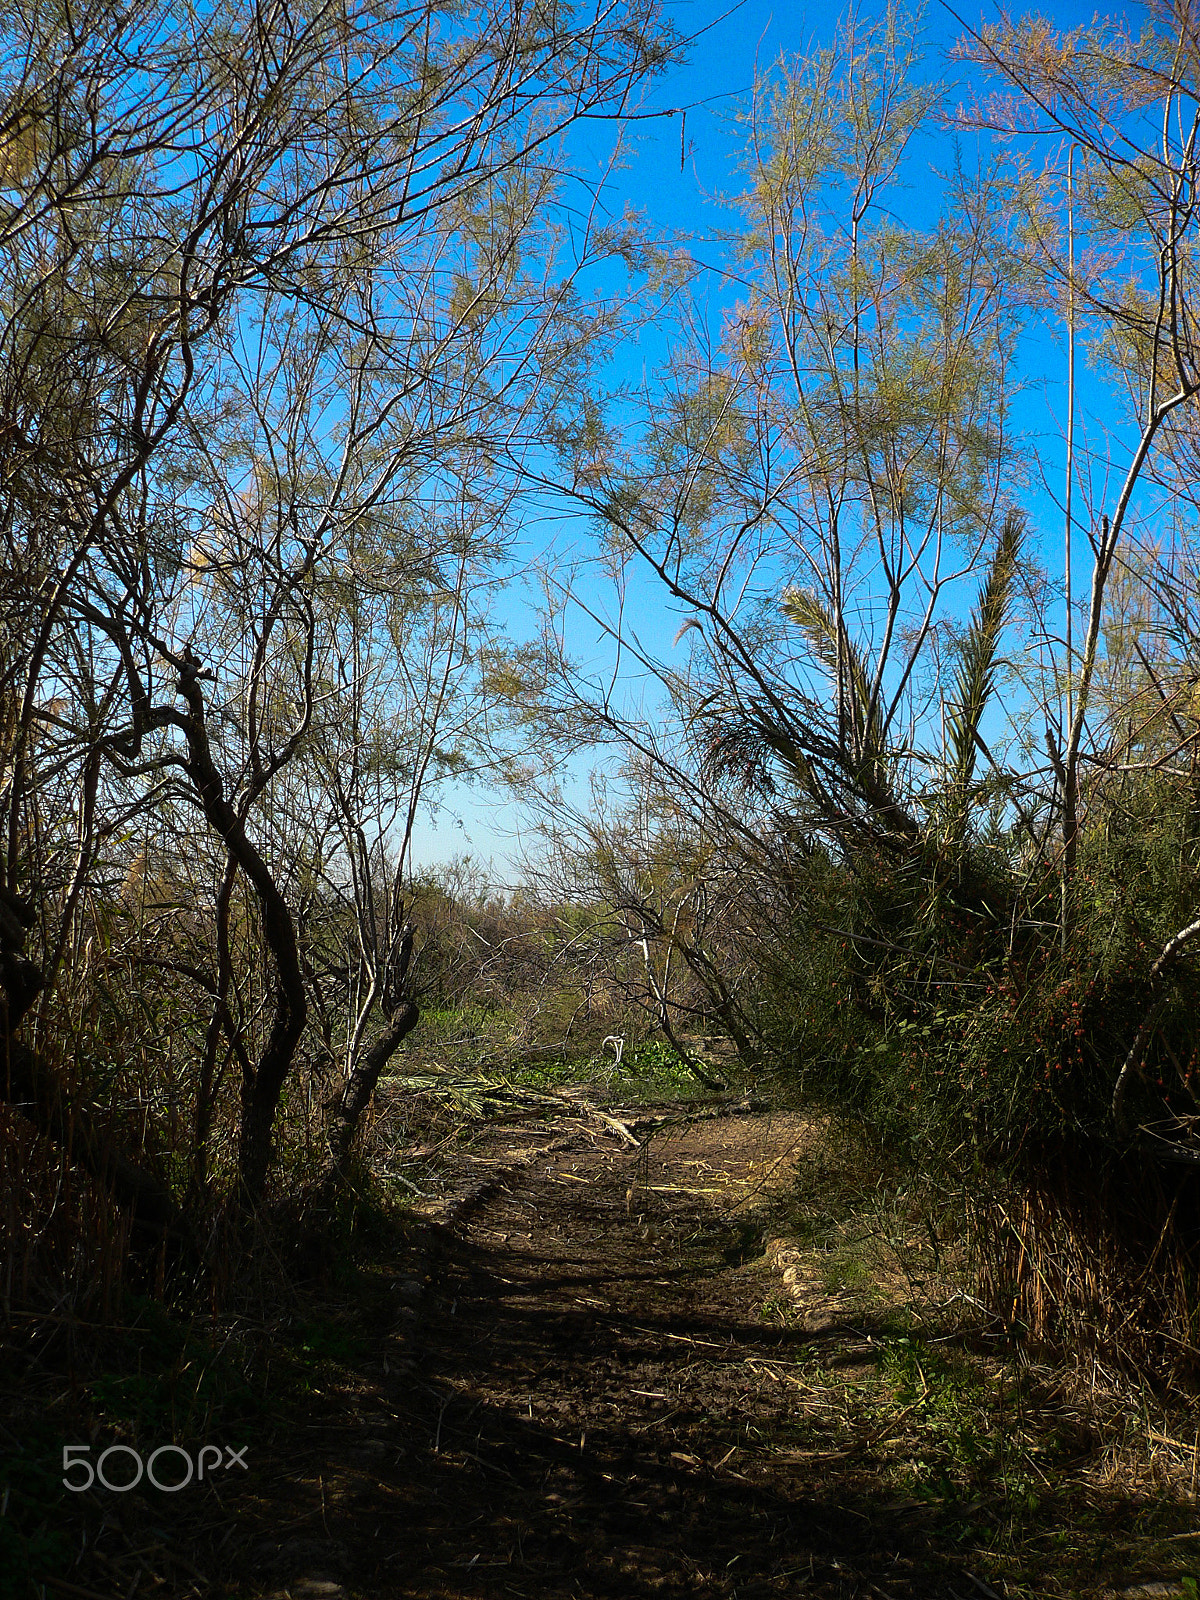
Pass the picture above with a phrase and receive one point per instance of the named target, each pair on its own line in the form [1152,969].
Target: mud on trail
[580,1395]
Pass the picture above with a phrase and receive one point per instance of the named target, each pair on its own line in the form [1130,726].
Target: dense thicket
[276,281]
[946,823]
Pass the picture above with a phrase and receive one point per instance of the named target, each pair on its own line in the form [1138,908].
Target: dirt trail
[580,1396]
[577,1372]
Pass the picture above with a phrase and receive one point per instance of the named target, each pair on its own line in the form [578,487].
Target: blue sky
[676,170]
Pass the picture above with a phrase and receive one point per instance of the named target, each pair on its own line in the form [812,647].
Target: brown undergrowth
[1099,1261]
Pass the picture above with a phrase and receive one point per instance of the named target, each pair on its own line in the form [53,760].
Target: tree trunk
[360,1086]
[262,1087]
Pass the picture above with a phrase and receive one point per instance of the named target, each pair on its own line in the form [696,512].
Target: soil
[579,1395]
[577,1374]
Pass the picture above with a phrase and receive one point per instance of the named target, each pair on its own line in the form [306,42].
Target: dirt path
[581,1397]
[577,1372]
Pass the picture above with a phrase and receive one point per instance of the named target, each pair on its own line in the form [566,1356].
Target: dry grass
[63,1243]
[1047,1470]
[1102,1265]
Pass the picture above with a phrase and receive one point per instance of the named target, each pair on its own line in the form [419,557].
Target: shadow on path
[587,1406]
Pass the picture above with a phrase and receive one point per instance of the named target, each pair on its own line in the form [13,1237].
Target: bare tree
[824,486]
[819,475]
[270,276]
[1124,105]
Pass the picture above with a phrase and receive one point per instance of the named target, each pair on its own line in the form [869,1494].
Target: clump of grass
[33,1538]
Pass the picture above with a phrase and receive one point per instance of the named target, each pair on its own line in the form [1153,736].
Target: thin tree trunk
[262,1088]
[360,1086]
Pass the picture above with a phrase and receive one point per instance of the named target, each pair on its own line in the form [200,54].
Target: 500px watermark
[209,1457]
